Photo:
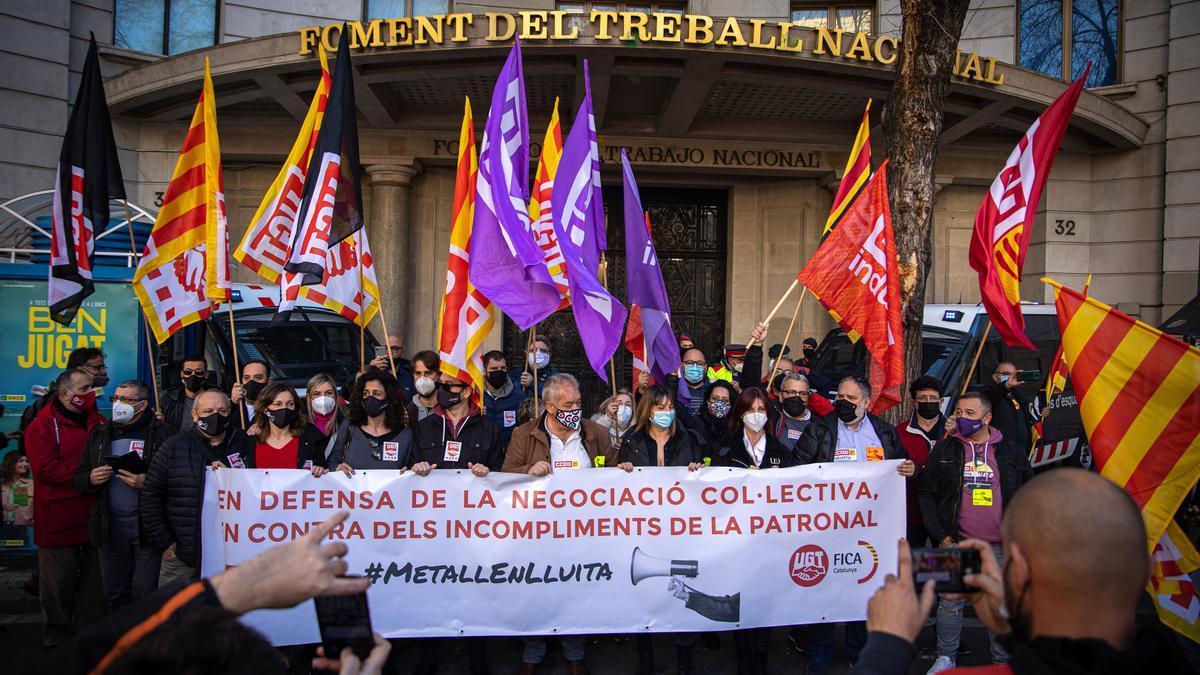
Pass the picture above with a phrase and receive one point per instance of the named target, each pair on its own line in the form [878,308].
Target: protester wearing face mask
[693,367]
[713,420]
[1010,408]
[177,403]
[256,375]
[377,432]
[501,396]
[404,367]
[174,484]
[93,363]
[616,415]
[1066,598]
[918,436]
[425,374]
[283,438]
[88,359]
[129,568]
[559,439]
[659,439]
[539,355]
[849,434]
[969,480]
[456,436]
[809,350]
[70,587]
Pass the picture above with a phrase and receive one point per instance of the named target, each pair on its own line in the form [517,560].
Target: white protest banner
[584,551]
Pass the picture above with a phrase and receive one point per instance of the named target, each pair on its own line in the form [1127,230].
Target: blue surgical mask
[663,418]
[693,373]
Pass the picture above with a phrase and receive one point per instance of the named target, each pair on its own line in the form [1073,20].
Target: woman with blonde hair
[616,415]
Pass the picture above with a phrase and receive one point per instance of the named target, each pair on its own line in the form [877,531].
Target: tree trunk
[912,124]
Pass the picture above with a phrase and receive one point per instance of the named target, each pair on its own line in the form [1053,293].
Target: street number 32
[1065,228]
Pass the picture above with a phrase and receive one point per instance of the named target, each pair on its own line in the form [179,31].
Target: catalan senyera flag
[1004,221]
[1056,383]
[855,275]
[264,248]
[466,315]
[541,216]
[1175,596]
[184,270]
[858,170]
[1139,398]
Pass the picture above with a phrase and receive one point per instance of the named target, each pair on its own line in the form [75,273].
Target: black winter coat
[820,439]
[172,405]
[98,445]
[480,438]
[639,449]
[174,491]
[732,452]
[941,483]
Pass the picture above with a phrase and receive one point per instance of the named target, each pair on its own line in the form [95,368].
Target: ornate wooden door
[689,230]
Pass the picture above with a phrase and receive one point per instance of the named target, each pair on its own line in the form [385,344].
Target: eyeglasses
[694,363]
[793,394]
[188,372]
[453,387]
[126,401]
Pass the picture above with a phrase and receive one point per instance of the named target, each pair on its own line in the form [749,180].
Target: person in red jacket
[70,589]
[918,435]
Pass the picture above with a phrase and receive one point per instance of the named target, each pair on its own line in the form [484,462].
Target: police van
[950,337]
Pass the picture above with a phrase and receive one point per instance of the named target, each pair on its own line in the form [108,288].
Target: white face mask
[323,404]
[755,421]
[624,414]
[424,385]
[122,412]
[542,359]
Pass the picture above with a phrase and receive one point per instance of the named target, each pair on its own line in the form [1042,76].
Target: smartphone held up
[946,567]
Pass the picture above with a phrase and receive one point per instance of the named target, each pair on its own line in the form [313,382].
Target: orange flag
[855,276]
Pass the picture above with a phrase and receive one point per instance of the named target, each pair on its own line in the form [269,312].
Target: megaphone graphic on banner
[644,566]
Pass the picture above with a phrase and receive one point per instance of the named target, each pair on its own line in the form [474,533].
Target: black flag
[331,205]
[88,176]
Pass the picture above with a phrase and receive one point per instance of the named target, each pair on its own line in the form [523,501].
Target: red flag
[635,342]
[865,302]
[1004,222]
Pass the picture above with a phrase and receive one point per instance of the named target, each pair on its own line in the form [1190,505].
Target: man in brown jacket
[561,439]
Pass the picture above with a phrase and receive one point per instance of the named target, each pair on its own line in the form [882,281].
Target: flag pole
[533,347]
[786,337]
[975,361]
[788,292]
[386,338]
[237,370]
[612,368]
[362,311]
[145,321]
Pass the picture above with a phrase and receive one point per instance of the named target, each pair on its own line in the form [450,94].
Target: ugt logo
[808,566]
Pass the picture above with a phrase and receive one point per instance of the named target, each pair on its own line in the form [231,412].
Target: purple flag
[645,283]
[576,202]
[507,265]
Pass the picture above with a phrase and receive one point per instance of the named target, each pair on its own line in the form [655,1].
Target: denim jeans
[129,571]
[820,642]
[950,621]
[535,648]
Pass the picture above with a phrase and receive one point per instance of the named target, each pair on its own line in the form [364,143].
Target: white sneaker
[942,663]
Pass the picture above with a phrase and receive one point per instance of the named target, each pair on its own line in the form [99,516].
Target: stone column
[389,228]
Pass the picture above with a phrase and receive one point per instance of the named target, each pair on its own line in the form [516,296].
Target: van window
[1042,331]
[312,342]
[837,357]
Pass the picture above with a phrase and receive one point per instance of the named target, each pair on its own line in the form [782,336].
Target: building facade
[737,128]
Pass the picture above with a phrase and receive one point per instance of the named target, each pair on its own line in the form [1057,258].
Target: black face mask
[448,399]
[193,383]
[374,407]
[846,411]
[213,425]
[808,352]
[497,378]
[100,380]
[1013,606]
[794,406]
[282,417]
[252,389]
[928,410]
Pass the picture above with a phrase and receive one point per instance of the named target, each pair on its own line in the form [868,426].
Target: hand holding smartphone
[946,567]
[345,621]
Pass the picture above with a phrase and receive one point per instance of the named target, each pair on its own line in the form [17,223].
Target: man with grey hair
[560,439]
[114,469]
[849,434]
[174,485]
[794,415]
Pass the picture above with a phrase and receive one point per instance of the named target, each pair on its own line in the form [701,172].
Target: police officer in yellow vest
[730,366]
